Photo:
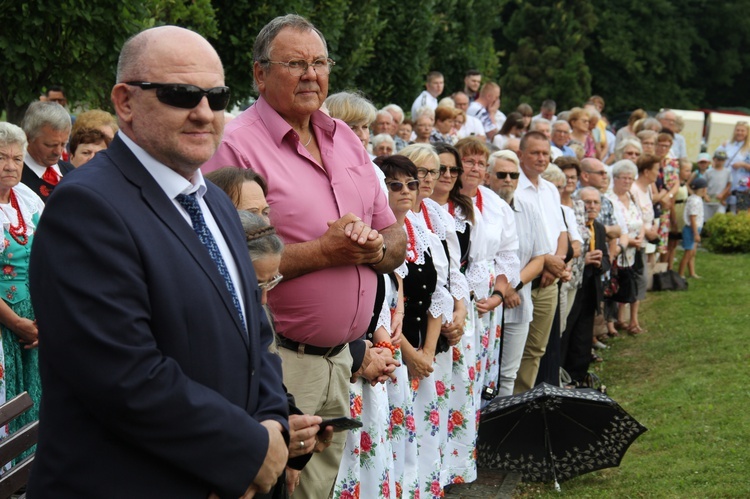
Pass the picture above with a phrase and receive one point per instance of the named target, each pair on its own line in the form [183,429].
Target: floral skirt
[459,458]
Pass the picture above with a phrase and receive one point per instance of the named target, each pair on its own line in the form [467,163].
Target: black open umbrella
[554,434]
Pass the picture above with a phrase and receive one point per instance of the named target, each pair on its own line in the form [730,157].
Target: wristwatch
[498,293]
[520,285]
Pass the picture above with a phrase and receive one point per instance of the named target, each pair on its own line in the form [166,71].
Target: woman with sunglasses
[451,297]
[495,264]
[459,462]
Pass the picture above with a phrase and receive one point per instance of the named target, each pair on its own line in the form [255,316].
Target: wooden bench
[15,444]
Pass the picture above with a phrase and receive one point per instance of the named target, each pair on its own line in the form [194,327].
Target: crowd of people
[398,270]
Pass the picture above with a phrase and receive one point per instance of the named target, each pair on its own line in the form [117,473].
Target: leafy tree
[545,42]
[463,40]
[642,55]
[75,43]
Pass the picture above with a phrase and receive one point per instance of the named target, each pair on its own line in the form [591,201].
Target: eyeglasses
[423,172]
[299,67]
[571,178]
[625,179]
[455,171]
[396,186]
[504,175]
[563,132]
[186,96]
[271,283]
[592,201]
[472,163]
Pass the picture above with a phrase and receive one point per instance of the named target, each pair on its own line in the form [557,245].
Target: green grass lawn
[687,380]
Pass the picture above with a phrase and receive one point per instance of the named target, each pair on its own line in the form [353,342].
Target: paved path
[490,484]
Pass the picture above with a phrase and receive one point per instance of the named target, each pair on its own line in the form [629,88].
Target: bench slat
[18,442]
[15,407]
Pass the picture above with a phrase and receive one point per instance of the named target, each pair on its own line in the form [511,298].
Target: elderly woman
[245,188]
[738,161]
[666,186]
[354,110]
[445,126]
[383,145]
[85,143]
[580,134]
[20,209]
[628,148]
[648,141]
[624,173]
[574,215]
[496,263]
[642,191]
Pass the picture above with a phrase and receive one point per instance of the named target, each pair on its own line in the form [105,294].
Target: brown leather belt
[308,349]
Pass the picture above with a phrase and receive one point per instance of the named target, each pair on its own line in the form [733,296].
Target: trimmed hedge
[729,233]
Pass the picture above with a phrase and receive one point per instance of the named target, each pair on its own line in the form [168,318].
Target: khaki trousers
[320,386]
[545,303]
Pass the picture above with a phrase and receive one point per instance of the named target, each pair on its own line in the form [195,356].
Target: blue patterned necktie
[201,229]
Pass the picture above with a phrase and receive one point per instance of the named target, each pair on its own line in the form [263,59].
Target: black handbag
[669,281]
[626,279]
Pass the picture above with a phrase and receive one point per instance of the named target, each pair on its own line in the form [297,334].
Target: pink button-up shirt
[331,306]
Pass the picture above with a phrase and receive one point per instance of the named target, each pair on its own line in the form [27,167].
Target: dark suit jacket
[592,275]
[40,187]
[151,388]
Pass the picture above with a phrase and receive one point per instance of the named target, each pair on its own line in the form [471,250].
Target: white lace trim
[508,264]
[459,286]
[402,270]
[442,304]
[438,217]
[384,318]
[28,202]
[421,236]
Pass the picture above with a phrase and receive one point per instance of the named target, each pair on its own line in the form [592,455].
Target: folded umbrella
[554,434]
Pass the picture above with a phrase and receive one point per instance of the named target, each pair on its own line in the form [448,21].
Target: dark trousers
[579,331]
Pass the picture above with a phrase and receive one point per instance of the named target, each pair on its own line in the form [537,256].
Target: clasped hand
[350,241]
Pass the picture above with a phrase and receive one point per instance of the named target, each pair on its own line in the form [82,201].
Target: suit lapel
[167,212]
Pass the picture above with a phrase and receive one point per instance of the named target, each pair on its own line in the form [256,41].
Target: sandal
[621,325]
[635,330]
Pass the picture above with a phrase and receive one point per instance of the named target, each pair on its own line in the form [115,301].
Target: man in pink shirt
[327,205]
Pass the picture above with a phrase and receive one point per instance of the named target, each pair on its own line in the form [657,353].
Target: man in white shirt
[533,189]
[547,111]
[472,126]
[428,98]
[668,120]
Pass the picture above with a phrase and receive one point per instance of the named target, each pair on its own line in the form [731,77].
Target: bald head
[145,52]
[592,173]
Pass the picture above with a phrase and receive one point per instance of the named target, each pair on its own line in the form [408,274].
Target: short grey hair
[261,237]
[559,123]
[40,114]
[620,149]
[262,45]
[539,121]
[11,134]
[395,108]
[424,111]
[380,138]
[588,189]
[504,154]
[129,59]
[624,166]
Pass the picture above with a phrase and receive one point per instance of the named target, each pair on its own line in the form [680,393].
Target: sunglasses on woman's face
[455,171]
[396,186]
[504,175]
[186,96]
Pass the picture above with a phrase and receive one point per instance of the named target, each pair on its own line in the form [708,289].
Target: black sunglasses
[395,186]
[503,175]
[455,171]
[186,96]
